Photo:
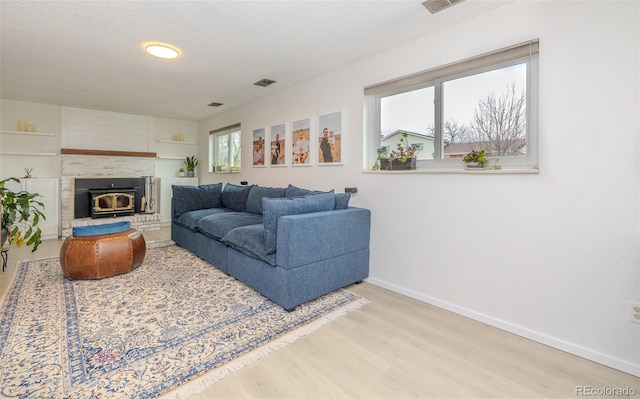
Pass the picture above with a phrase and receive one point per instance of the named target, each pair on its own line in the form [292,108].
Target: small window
[225,149]
[488,102]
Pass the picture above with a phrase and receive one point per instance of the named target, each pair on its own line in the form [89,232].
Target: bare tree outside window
[499,124]
[455,132]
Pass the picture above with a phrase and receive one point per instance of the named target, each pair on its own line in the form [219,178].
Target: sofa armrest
[312,237]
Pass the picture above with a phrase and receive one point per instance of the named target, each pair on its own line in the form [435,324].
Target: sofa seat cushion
[250,241]
[274,208]
[189,219]
[216,226]
[190,198]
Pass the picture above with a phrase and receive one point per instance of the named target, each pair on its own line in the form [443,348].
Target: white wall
[552,256]
[47,119]
[164,129]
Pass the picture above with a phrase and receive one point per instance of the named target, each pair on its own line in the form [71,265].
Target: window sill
[487,171]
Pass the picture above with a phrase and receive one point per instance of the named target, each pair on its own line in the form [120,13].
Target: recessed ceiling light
[162,50]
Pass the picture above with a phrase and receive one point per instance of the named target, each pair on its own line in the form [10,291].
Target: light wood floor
[397,347]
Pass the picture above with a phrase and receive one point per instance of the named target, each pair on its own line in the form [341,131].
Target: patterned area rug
[174,325]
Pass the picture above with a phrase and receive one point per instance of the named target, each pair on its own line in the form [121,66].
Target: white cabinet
[48,190]
[166,193]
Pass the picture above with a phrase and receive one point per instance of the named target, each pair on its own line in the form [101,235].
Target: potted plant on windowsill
[191,163]
[402,158]
[476,159]
[21,213]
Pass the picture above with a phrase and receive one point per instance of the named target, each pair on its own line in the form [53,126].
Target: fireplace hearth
[109,197]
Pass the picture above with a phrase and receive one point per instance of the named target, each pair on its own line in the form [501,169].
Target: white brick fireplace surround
[95,166]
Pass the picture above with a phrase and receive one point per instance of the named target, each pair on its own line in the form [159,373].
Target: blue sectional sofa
[290,244]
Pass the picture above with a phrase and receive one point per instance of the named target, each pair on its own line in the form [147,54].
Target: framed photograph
[259,147]
[277,145]
[330,139]
[301,142]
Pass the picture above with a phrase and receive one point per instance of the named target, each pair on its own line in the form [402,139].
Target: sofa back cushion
[235,197]
[274,208]
[254,200]
[191,198]
[293,191]
[342,200]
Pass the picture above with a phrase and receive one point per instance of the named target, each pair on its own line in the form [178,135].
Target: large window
[488,102]
[224,149]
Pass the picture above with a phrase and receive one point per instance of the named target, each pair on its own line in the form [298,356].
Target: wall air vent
[264,82]
[215,104]
[435,6]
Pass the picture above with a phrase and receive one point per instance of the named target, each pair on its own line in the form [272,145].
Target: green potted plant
[403,157]
[191,163]
[476,159]
[21,213]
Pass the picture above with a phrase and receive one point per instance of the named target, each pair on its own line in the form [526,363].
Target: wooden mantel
[75,151]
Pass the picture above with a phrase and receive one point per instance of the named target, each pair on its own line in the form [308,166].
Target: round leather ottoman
[99,256]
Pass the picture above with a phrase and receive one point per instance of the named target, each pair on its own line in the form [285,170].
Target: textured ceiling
[88,54]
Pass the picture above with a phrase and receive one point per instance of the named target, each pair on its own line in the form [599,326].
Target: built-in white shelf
[176,142]
[26,134]
[35,154]
[164,157]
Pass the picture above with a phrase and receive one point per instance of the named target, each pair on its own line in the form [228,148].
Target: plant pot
[475,166]
[191,173]
[396,164]
[5,234]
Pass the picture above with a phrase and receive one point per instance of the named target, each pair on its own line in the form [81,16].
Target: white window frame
[213,143]
[521,53]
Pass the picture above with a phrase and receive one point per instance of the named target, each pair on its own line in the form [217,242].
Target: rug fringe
[203,382]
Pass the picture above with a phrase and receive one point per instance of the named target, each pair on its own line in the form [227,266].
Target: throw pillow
[342,200]
[191,198]
[254,200]
[274,208]
[235,197]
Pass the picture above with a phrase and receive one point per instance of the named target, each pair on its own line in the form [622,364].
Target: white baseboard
[618,364]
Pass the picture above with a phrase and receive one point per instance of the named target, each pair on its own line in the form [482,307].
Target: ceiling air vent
[438,5]
[264,82]
[215,104]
